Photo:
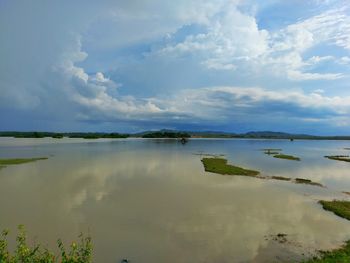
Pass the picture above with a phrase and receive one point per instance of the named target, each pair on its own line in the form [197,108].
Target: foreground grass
[287,157]
[220,166]
[80,252]
[4,162]
[340,255]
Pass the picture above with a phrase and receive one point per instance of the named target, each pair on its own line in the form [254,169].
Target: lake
[150,200]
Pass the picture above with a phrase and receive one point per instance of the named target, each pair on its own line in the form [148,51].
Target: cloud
[230,35]
[299,76]
[344,60]
[234,38]
[167,63]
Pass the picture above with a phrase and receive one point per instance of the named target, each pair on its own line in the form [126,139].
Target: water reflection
[152,202]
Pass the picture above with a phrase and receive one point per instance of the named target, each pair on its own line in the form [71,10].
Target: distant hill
[271,134]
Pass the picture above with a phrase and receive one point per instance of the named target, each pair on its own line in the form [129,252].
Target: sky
[197,65]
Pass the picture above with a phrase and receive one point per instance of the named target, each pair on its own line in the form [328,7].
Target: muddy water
[151,201]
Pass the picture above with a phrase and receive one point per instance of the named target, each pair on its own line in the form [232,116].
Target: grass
[281,178]
[340,255]
[4,162]
[220,166]
[340,208]
[80,252]
[307,181]
[287,157]
[344,158]
[271,151]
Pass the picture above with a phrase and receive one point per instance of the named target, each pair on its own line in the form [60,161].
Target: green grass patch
[307,181]
[281,178]
[4,162]
[340,208]
[271,152]
[287,157]
[220,166]
[340,255]
[344,158]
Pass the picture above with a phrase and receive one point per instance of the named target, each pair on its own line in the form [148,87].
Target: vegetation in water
[276,153]
[287,157]
[340,255]
[220,166]
[271,151]
[80,252]
[344,158]
[340,208]
[4,162]
[307,181]
[281,178]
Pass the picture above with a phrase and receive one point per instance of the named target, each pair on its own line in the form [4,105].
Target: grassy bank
[220,166]
[341,255]
[340,208]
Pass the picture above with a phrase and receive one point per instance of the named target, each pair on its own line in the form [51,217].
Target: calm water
[151,201]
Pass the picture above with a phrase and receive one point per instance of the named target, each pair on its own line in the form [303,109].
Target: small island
[286,157]
[220,166]
[20,161]
[5,162]
[271,151]
[344,158]
[307,181]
